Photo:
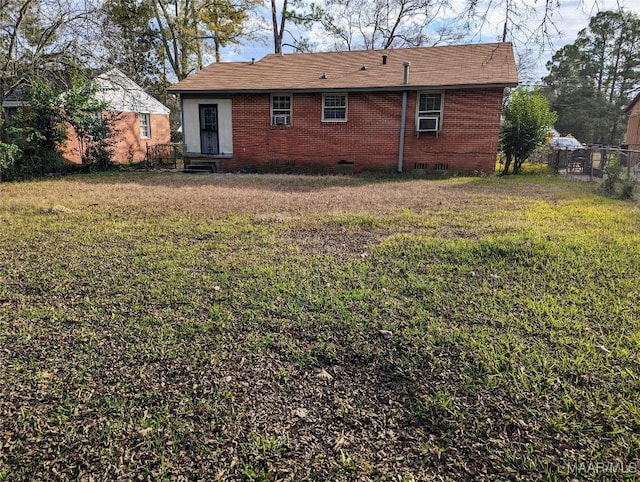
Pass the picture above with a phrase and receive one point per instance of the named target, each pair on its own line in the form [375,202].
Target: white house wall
[191,127]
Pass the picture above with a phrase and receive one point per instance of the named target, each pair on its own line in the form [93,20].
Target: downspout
[184,134]
[403,118]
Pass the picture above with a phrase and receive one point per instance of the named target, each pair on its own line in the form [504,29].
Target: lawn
[157,326]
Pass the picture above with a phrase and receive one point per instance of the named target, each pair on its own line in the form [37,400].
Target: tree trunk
[517,166]
[216,44]
[507,164]
[277,33]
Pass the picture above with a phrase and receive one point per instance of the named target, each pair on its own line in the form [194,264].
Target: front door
[209,129]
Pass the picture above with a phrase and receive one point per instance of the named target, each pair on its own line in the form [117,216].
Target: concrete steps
[202,167]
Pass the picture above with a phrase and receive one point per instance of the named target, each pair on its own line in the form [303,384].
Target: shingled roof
[635,100]
[431,67]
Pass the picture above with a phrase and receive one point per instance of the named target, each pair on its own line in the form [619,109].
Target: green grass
[237,328]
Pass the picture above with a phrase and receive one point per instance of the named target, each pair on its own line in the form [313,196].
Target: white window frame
[288,113]
[345,107]
[432,113]
[145,129]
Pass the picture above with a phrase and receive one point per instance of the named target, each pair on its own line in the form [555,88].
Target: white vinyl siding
[191,119]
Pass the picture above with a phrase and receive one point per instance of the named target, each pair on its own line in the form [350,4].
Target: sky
[567,21]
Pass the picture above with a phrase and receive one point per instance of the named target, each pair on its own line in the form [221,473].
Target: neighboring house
[139,119]
[434,108]
[12,103]
[632,138]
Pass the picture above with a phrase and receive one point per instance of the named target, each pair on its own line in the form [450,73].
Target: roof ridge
[391,49]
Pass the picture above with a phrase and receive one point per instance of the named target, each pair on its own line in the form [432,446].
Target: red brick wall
[469,138]
[370,138]
[129,147]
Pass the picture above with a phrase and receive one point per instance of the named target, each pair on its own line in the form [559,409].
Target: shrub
[616,175]
[8,155]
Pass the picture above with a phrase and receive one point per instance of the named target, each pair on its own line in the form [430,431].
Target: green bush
[8,155]
[33,135]
[618,182]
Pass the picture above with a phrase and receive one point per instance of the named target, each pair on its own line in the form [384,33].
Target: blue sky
[568,20]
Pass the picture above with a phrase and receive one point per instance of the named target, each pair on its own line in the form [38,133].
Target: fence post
[174,151]
[628,161]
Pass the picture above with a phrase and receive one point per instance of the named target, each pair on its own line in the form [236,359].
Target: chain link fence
[592,161]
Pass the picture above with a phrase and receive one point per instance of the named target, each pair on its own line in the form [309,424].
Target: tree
[299,13]
[189,29]
[41,43]
[131,44]
[43,38]
[84,114]
[526,123]
[35,133]
[8,155]
[383,24]
[591,80]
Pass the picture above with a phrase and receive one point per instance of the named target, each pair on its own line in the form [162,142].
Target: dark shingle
[431,67]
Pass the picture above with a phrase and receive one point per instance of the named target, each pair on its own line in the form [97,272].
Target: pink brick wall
[370,138]
[129,146]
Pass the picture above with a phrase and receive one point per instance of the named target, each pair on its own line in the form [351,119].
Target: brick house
[138,119]
[632,137]
[435,108]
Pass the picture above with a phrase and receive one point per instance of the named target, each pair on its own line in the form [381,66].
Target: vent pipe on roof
[324,75]
[406,72]
[384,59]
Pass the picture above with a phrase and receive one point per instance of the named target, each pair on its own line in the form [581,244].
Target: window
[281,110]
[429,115]
[145,125]
[334,107]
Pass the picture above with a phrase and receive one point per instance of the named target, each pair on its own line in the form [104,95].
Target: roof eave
[310,90]
[632,104]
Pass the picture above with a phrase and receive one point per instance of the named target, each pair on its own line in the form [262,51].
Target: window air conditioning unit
[281,120]
[428,124]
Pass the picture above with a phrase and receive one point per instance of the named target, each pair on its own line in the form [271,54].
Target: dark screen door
[209,129]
